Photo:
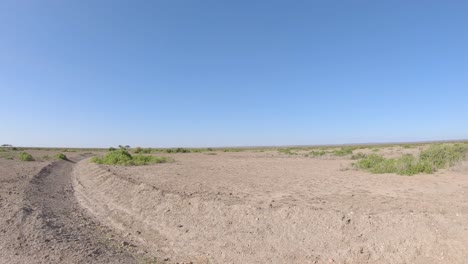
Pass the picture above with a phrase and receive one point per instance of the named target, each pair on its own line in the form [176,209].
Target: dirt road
[46,224]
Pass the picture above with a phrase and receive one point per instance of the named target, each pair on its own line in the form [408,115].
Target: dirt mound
[47,225]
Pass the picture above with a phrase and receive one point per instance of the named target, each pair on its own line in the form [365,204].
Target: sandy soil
[42,222]
[242,207]
[266,207]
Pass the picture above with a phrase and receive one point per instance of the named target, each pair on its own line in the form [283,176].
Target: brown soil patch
[267,207]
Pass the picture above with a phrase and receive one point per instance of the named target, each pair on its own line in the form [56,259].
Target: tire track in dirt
[53,228]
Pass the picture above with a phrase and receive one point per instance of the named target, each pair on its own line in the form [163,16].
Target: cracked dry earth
[246,207]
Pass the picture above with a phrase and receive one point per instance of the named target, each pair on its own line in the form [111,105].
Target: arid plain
[288,205]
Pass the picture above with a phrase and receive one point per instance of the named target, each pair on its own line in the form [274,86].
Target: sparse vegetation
[7,155]
[139,150]
[61,156]
[24,156]
[357,156]
[177,150]
[344,151]
[287,151]
[123,157]
[443,155]
[430,160]
[232,150]
[318,153]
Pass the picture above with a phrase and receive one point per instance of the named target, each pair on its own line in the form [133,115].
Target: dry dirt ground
[241,207]
[41,221]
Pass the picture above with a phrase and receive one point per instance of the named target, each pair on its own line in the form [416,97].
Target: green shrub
[116,157]
[13,148]
[358,156]
[122,157]
[287,151]
[378,164]
[111,149]
[232,150]
[344,151]
[442,156]
[139,160]
[61,156]
[178,150]
[146,151]
[430,160]
[137,150]
[182,150]
[24,156]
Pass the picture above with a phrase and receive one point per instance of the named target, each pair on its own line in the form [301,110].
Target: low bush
[178,150]
[233,150]
[137,150]
[357,156]
[122,157]
[442,156]
[24,156]
[430,160]
[287,151]
[318,153]
[61,156]
[344,151]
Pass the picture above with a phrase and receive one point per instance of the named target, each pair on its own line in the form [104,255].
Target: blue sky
[232,73]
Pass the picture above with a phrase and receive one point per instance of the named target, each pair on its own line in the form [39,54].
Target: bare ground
[246,207]
[273,208]
[42,222]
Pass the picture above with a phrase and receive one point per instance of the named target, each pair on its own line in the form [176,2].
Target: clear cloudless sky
[170,73]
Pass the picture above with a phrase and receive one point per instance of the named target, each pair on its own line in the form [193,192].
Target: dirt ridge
[51,227]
